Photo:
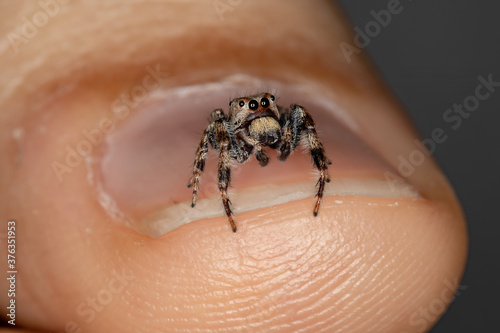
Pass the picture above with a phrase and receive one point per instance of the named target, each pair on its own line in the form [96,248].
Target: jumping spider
[255,122]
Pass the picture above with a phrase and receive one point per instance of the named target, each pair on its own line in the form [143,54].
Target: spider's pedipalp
[259,153]
[262,158]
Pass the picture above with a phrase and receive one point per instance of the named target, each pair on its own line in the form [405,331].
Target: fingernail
[146,162]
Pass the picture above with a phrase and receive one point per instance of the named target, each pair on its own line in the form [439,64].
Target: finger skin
[363,264]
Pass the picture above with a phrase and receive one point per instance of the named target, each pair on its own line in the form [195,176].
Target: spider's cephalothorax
[255,122]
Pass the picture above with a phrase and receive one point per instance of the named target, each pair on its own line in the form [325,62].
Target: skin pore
[365,263]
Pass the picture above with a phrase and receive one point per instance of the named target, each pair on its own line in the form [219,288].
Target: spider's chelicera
[253,123]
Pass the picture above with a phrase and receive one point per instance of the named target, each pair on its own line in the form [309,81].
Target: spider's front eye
[272,98]
[242,104]
[264,102]
[253,105]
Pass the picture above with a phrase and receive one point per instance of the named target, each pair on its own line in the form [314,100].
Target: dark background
[431,54]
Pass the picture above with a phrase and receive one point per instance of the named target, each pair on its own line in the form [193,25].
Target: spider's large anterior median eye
[264,102]
[253,105]
[242,104]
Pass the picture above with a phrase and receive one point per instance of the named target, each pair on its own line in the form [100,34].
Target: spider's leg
[199,162]
[224,168]
[224,178]
[238,150]
[284,148]
[302,121]
[222,141]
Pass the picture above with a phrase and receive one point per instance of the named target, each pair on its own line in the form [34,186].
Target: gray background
[431,55]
